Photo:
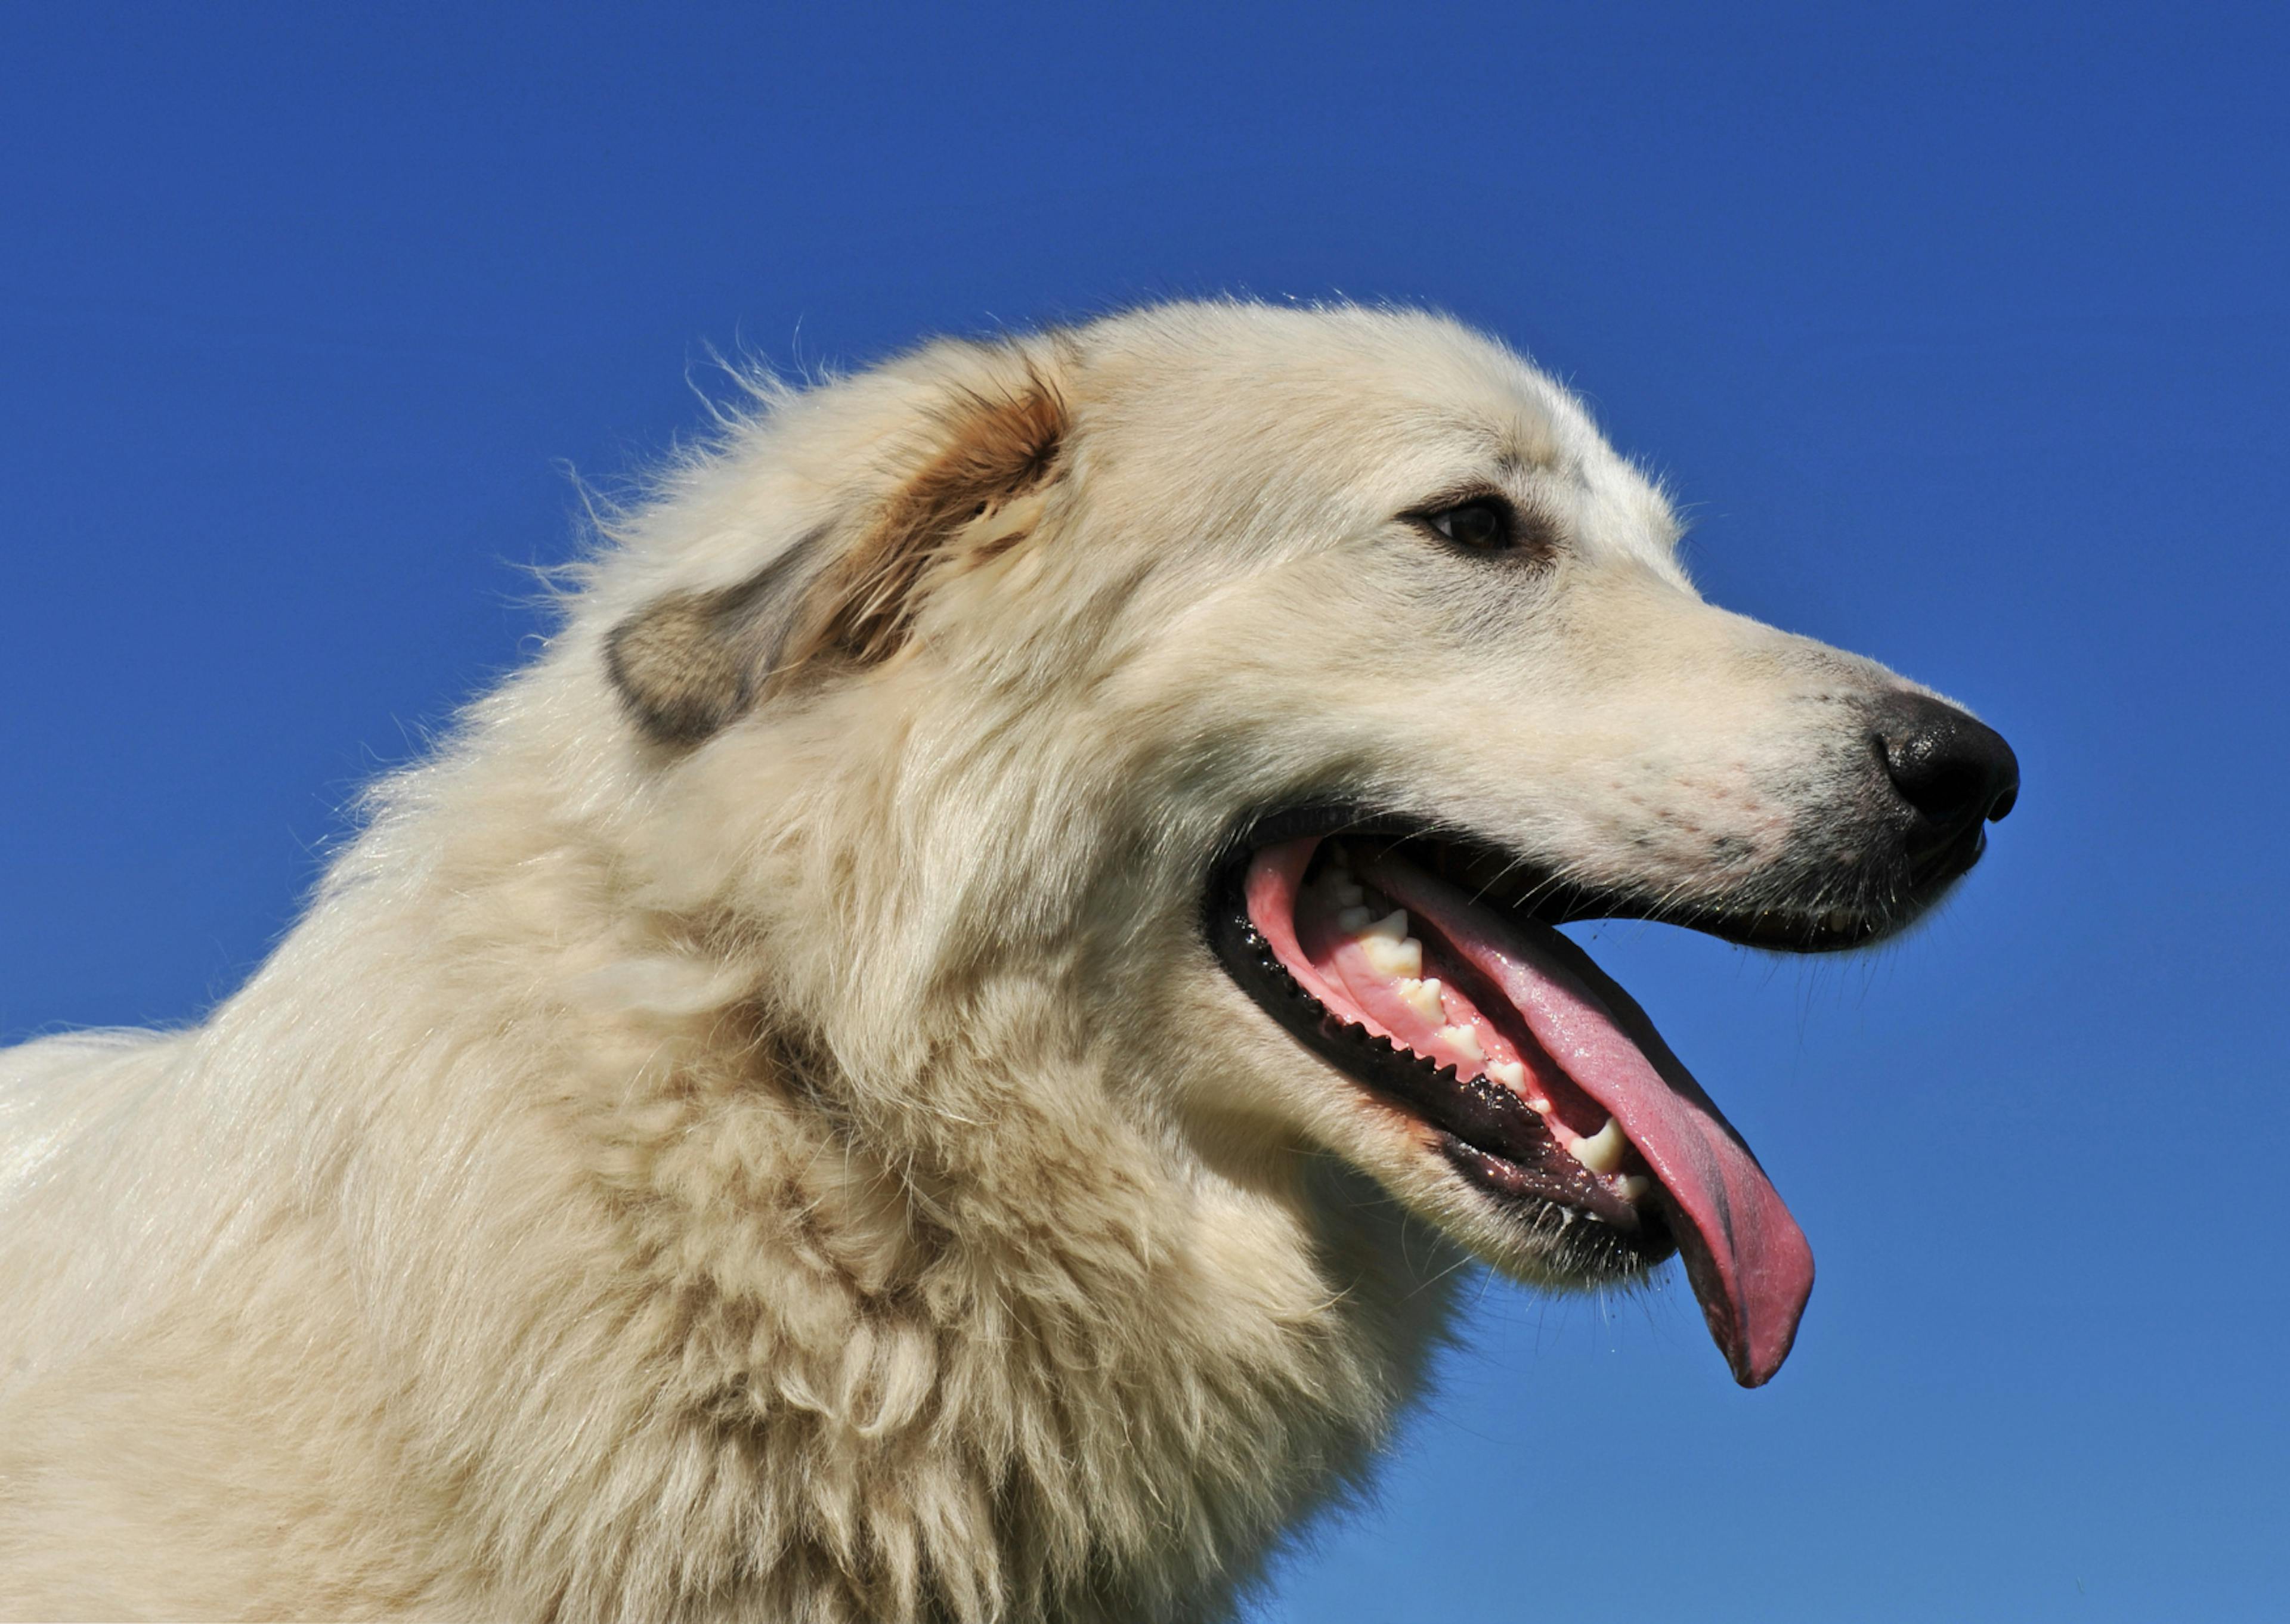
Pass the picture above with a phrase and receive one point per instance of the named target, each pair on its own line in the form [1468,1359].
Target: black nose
[1956,771]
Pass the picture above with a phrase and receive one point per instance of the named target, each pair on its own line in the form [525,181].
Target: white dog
[883,1076]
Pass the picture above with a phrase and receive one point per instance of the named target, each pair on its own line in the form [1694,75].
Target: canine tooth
[1402,959]
[1634,1188]
[1540,1107]
[1602,1152]
[1511,1074]
[1353,920]
[1345,892]
[1463,1041]
[1423,997]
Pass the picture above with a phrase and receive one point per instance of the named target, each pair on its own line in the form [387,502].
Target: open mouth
[1431,974]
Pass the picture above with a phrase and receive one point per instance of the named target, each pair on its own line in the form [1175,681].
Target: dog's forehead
[1387,408]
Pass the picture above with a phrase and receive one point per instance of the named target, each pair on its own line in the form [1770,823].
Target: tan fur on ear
[1001,449]
[678,675]
[691,663]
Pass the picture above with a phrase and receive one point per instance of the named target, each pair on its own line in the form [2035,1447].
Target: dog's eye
[1483,523]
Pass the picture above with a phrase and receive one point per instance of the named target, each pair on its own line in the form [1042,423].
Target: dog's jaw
[1512,1071]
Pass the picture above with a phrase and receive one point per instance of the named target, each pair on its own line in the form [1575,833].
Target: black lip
[1485,1132]
[1527,888]
[1492,1139]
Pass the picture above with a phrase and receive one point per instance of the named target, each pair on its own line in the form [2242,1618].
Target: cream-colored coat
[750,1129]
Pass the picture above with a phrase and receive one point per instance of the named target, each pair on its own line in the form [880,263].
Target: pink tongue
[1748,1259]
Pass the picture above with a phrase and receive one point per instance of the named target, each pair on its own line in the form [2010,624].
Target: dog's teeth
[1511,1074]
[1391,927]
[1401,958]
[1540,1107]
[1423,997]
[1602,1151]
[1353,920]
[1340,888]
[1634,1188]
[1463,1041]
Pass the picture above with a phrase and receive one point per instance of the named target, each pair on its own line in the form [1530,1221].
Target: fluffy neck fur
[675,1270]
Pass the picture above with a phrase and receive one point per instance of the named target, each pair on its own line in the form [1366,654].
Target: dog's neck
[1028,1345]
[943,1328]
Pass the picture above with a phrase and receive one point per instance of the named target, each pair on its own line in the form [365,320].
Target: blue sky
[1961,329]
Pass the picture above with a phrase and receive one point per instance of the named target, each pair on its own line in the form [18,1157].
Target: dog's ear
[691,663]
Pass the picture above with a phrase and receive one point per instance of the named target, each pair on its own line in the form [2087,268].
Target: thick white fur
[817,1172]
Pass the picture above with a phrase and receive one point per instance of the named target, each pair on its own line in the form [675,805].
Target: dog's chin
[1489,1206]
[1506,1088]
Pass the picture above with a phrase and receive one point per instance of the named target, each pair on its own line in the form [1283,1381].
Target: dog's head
[1211,712]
